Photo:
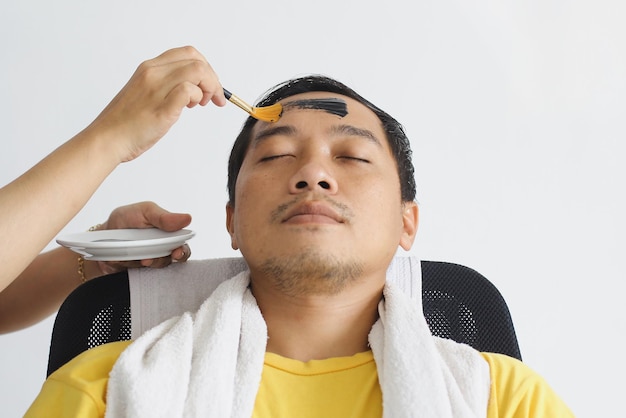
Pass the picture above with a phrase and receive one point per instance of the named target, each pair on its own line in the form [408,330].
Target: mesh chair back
[462,305]
[458,302]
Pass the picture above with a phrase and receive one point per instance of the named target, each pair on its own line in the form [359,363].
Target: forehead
[325,108]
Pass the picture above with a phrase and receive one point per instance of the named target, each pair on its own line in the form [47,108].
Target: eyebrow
[289,130]
[285,130]
[351,130]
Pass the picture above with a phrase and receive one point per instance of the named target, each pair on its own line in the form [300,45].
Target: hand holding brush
[267,113]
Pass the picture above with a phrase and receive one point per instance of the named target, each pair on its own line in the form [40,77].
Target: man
[319,202]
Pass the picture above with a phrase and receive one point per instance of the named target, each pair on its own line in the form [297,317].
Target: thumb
[170,222]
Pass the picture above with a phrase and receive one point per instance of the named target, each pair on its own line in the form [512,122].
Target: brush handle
[237,101]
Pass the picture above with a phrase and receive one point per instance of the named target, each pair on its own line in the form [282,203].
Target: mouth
[312,213]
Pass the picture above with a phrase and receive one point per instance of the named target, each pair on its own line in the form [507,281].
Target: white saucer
[125,244]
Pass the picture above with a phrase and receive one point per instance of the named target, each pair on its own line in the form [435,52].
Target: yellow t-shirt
[342,387]
[333,387]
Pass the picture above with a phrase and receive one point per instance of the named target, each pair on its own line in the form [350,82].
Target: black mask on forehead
[332,105]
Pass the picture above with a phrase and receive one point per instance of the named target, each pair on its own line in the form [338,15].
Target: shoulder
[519,391]
[89,363]
[510,372]
[79,387]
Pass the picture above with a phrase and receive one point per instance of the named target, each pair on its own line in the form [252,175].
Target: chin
[311,271]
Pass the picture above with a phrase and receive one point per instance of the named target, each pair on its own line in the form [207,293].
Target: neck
[314,327]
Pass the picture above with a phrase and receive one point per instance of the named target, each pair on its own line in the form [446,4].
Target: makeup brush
[267,113]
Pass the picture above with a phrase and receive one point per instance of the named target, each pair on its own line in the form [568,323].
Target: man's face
[318,194]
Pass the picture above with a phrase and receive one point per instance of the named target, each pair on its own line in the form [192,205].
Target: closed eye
[357,159]
[275,157]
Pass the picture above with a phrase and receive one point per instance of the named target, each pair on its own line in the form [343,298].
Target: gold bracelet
[81,260]
[94,228]
[81,269]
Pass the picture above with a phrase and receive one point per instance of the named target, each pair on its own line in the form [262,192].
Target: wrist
[88,270]
[103,143]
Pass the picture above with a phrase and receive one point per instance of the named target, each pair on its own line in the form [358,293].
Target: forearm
[41,288]
[37,205]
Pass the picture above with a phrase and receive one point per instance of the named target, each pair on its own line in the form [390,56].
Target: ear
[230,225]
[410,220]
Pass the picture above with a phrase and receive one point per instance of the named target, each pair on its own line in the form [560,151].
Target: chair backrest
[459,303]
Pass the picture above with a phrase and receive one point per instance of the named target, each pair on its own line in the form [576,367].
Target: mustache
[343,210]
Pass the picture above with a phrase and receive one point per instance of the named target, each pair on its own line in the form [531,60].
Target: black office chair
[458,302]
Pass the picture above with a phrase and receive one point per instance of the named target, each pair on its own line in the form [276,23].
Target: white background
[515,110]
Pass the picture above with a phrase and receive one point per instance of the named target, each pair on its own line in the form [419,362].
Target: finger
[195,96]
[197,72]
[167,221]
[186,80]
[176,54]
[208,82]
[115,266]
[201,97]
[193,90]
[157,263]
[181,254]
[174,221]
[136,215]
[108,267]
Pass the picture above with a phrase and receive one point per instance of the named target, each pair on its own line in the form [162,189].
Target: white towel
[209,364]
[204,365]
[159,294]
[421,375]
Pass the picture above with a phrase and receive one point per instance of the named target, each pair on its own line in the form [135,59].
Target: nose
[311,176]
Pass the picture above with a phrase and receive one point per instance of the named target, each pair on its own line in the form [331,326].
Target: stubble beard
[311,273]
